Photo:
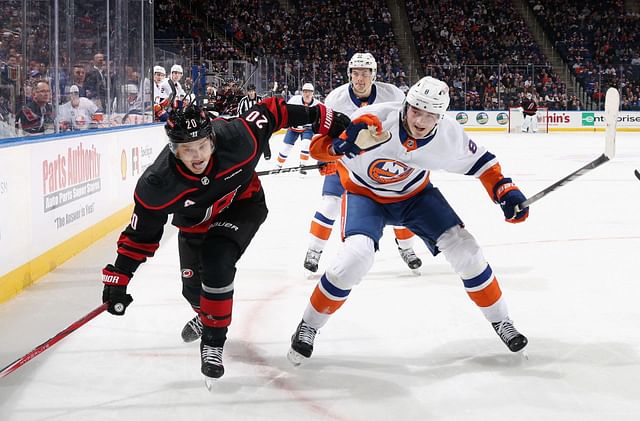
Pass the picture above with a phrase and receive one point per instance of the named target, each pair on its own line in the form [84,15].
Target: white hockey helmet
[159,69]
[176,68]
[363,61]
[308,87]
[429,94]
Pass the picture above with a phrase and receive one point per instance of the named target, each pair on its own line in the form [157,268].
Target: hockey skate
[312,259]
[513,339]
[410,258]
[212,367]
[192,330]
[301,344]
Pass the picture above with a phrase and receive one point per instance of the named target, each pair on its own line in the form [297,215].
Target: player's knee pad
[330,207]
[352,262]
[462,252]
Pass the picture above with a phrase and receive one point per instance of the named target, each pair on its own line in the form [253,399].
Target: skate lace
[306,334]
[313,256]
[196,325]
[408,255]
[212,354]
[506,330]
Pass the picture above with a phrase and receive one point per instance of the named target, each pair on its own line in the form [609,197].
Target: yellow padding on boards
[15,281]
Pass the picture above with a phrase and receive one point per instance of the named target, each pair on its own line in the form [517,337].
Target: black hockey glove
[330,122]
[115,290]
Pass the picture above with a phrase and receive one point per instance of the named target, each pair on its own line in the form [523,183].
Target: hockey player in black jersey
[205,177]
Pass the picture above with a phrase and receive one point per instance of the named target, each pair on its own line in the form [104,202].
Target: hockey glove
[364,133]
[115,290]
[508,196]
[328,168]
[329,122]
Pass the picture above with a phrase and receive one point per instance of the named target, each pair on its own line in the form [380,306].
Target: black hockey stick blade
[611,107]
[291,169]
[52,341]
[637,173]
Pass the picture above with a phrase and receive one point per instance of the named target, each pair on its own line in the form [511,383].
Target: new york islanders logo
[386,171]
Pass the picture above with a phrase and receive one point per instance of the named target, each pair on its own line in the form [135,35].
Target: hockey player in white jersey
[361,90]
[175,84]
[388,183]
[302,132]
[161,93]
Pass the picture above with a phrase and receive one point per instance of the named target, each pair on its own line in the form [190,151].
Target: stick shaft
[52,341]
[290,169]
[577,173]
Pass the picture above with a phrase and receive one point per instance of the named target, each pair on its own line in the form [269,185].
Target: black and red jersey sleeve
[140,239]
[272,114]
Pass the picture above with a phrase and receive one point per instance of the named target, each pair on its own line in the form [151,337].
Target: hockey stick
[52,341]
[611,107]
[291,169]
[637,173]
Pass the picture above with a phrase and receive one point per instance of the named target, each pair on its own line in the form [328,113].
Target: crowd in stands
[485,53]
[26,62]
[293,40]
[599,40]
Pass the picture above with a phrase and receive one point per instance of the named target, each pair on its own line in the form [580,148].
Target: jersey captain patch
[385,171]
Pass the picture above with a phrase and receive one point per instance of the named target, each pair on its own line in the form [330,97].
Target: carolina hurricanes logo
[386,171]
[187,273]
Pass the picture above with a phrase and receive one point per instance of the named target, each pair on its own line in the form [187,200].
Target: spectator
[96,82]
[36,117]
[79,79]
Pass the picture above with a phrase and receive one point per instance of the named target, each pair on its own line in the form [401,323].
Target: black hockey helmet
[251,87]
[187,125]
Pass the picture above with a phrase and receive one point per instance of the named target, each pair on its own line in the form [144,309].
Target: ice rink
[403,347]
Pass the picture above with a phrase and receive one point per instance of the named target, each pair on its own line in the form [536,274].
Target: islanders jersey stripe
[482,164]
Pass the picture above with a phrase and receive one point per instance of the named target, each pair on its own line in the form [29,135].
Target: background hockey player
[422,138]
[161,93]
[302,132]
[529,110]
[361,90]
[177,90]
[205,177]
[77,114]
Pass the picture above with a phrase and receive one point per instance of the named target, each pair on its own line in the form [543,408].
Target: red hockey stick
[49,343]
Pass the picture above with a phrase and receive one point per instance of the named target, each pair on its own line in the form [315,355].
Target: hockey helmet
[308,87]
[159,69]
[188,125]
[363,61]
[429,94]
[176,68]
[251,87]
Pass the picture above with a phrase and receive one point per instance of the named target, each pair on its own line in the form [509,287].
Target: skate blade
[295,358]
[210,383]
[416,272]
[524,354]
